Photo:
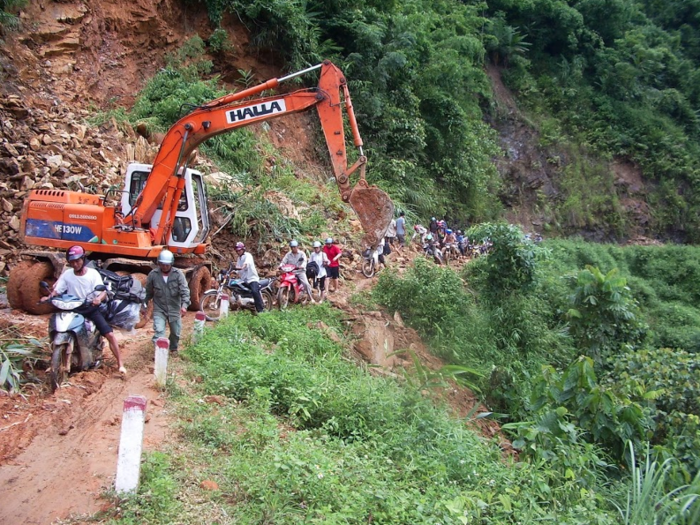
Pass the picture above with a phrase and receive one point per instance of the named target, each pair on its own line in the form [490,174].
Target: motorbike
[75,341]
[370,262]
[433,252]
[239,293]
[450,253]
[290,290]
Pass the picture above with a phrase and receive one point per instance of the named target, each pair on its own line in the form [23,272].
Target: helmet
[166,257]
[240,246]
[293,244]
[74,253]
[329,240]
[432,218]
[448,231]
[317,244]
[429,237]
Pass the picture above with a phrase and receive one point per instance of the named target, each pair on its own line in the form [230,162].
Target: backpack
[312,270]
[124,287]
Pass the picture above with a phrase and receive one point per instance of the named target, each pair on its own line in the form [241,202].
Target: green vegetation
[595,80]
[296,433]
[576,339]
[18,355]
[8,14]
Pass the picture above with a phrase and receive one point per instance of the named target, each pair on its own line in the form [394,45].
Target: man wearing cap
[249,275]
[321,259]
[333,253]
[167,286]
[297,258]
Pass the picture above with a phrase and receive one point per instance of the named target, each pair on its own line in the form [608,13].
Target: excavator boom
[372,205]
[155,217]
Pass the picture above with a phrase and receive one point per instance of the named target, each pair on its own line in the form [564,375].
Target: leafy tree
[604,316]
[511,264]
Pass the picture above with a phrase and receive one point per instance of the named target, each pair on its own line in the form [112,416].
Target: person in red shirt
[333,252]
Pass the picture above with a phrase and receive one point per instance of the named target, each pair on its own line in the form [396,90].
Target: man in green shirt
[168,288]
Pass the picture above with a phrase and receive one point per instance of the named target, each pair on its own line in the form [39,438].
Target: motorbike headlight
[66,302]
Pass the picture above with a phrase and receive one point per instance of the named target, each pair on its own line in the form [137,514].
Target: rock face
[69,59]
[52,149]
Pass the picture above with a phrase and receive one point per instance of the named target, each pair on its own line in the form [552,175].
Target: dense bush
[674,377]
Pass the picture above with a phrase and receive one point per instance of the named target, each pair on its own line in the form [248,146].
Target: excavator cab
[190,226]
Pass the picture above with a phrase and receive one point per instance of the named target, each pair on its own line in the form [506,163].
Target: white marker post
[160,369]
[130,445]
[199,320]
[223,308]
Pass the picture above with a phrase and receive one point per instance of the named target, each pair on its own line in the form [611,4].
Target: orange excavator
[164,204]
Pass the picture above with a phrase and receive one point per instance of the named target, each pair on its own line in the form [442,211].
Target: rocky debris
[52,148]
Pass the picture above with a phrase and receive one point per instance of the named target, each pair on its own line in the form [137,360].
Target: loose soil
[58,453]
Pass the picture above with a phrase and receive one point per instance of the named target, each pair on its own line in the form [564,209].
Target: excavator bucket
[375,211]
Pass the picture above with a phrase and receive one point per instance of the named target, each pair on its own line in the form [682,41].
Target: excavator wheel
[31,290]
[15,282]
[148,314]
[199,283]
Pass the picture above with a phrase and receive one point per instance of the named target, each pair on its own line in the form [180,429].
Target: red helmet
[74,253]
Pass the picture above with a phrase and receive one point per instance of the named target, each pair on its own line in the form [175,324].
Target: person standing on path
[333,252]
[401,230]
[390,234]
[321,259]
[249,275]
[168,288]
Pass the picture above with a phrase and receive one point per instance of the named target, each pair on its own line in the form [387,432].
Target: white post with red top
[130,445]
[199,320]
[223,308]
[161,366]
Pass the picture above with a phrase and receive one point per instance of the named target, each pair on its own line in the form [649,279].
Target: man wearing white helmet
[321,259]
[297,258]
[249,275]
[167,286]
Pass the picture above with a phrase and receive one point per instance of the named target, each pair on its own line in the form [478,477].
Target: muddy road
[58,453]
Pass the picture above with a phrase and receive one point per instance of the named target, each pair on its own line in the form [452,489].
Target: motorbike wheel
[368,268]
[268,300]
[448,256]
[284,295]
[211,306]
[59,368]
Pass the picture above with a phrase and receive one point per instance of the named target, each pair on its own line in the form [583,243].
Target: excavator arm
[165,183]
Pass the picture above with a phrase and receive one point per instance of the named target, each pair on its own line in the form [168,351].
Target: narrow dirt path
[63,447]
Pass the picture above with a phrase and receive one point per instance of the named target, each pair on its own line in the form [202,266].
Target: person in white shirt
[297,258]
[321,259]
[249,275]
[80,281]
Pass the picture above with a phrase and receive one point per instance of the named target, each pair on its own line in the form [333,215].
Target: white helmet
[317,244]
[166,257]
[293,244]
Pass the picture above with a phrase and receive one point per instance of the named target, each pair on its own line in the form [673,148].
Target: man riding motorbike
[249,275]
[80,281]
[297,258]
